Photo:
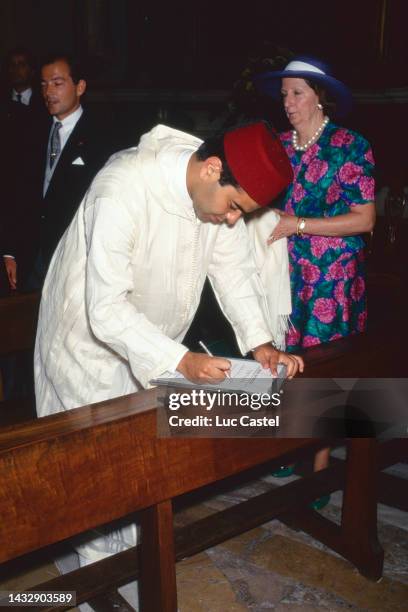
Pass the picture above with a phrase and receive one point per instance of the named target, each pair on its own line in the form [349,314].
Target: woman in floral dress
[325,211]
[329,205]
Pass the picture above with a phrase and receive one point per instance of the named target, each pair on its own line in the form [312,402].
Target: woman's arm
[359,220]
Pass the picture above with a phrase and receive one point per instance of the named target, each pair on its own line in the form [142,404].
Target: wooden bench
[67,473]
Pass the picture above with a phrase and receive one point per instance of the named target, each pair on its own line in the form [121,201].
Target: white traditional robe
[126,279]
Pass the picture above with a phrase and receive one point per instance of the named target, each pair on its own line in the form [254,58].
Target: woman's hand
[359,220]
[286,226]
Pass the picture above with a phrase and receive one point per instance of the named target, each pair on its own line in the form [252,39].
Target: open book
[247,376]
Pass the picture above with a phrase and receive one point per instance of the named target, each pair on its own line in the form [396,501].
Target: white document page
[246,375]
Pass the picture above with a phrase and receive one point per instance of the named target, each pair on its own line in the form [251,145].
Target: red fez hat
[258,161]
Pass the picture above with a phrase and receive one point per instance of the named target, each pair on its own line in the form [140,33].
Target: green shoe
[284,471]
[320,502]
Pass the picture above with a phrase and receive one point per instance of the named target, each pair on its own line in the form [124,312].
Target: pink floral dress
[327,274]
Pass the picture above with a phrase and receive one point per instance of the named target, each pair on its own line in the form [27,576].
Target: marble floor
[276,568]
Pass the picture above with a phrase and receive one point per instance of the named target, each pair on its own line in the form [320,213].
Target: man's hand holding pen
[203,368]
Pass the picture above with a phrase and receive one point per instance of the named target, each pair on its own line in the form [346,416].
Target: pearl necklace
[311,140]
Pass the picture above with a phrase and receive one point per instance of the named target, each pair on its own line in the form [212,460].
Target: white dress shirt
[25,96]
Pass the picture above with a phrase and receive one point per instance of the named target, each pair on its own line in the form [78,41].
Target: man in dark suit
[20,75]
[22,108]
[22,117]
[56,169]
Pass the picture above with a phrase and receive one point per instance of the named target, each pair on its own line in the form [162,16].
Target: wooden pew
[86,467]
[62,494]
[67,473]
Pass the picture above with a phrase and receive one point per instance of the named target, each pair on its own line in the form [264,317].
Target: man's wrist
[270,343]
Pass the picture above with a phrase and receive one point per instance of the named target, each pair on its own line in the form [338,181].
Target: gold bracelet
[301,224]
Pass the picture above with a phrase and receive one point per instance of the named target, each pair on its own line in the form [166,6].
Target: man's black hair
[214,146]
[76,69]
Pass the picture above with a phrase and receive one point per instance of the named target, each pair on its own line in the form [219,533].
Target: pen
[211,355]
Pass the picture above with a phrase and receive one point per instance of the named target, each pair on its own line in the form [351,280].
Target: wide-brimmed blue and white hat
[312,69]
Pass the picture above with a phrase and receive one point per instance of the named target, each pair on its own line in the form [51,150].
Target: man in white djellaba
[126,278]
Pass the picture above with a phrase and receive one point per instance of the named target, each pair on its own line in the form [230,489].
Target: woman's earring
[319,106]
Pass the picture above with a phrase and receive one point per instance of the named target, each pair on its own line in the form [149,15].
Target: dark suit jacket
[38,222]
[16,134]
[36,105]
[20,128]
[20,120]
[90,144]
